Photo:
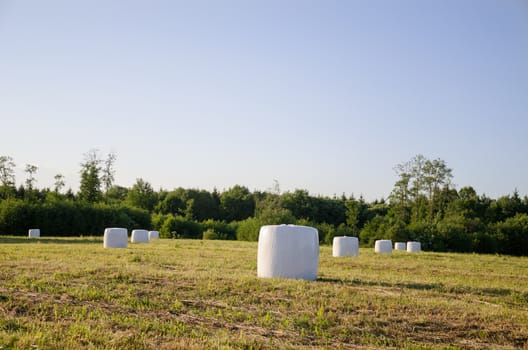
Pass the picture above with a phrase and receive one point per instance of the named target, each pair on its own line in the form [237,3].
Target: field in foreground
[70,293]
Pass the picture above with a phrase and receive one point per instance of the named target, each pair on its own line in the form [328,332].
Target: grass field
[70,293]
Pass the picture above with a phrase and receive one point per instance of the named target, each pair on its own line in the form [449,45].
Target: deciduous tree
[90,188]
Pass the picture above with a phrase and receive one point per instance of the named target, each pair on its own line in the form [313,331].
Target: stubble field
[70,293]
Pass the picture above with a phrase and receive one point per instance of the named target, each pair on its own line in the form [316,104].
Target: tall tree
[30,181]
[7,177]
[421,182]
[90,189]
[353,210]
[401,194]
[59,183]
[108,171]
[7,171]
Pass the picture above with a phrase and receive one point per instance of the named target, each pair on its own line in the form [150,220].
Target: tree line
[423,206]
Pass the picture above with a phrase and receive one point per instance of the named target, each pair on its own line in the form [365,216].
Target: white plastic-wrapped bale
[383,246]
[288,251]
[345,246]
[153,235]
[34,233]
[400,246]
[115,237]
[139,236]
[414,247]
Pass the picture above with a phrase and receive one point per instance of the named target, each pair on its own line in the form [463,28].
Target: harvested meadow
[70,293]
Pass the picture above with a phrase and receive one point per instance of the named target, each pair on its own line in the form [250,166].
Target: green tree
[116,194]
[300,204]
[420,186]
[7,177]
[373,230]
[173,203]
[236,204]
[506,207]
[512,235]
[90,188]
[353,211]
[199,204]
[108,172]
[31,171]
[59,183]
[401,194]
[142,195]
[269,211]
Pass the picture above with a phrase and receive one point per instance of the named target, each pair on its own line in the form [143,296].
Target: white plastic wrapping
[139,236]
[400,246]
[34,233]
[345,246]
[153,235]
[414,247]
[288,251]
[383,246]
[115,237]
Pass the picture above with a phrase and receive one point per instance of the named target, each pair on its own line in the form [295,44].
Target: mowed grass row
[58,293]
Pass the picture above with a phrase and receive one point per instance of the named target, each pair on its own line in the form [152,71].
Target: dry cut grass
[172,294]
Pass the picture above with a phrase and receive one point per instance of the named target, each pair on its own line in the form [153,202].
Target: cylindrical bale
[383,246]
[414,247]
[288,251]
[345,246]
[139,236]
[153,235]
[34,233]
[115,237]
[400,246]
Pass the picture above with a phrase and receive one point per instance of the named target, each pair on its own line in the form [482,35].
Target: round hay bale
[414,247]
[153,235]
[139,236]
[345,246]
[115,237]
[400,246]
[383,246]
[34,233]
[288,251]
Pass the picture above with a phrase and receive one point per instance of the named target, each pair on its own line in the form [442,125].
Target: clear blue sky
[326,96]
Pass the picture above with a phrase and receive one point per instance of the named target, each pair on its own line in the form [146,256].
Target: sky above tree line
[326,96]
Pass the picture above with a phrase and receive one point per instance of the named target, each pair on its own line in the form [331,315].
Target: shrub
[373,230]
[223,229]
[180,227]
[210,234]
[248,230]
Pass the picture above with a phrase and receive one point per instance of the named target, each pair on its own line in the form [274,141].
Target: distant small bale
[345,246]
[34,233]
[383,246]
[288,251]
[115,237]
[400,246]
[139,236]
[414,247]
[153,235]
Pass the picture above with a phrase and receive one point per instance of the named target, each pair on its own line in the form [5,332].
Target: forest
[423,206]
